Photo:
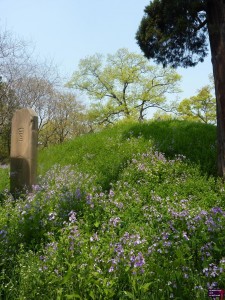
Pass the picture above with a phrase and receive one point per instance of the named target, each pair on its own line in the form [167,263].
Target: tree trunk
[216,29]
[141,112]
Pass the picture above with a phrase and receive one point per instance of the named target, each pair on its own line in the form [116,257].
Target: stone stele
[23,154]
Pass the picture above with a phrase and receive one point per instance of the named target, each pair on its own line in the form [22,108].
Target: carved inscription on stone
[20,134]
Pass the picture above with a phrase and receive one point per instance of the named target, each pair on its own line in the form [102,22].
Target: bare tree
[13,55]
[67,119]
[25,82]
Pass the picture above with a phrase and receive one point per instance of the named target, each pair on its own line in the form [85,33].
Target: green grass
[106,153]
[102,154]
[194,140]
[4,178]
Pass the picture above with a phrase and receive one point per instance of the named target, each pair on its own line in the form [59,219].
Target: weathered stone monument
[23,155]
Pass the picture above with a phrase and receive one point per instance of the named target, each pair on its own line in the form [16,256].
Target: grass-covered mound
[154,231]
[106,153]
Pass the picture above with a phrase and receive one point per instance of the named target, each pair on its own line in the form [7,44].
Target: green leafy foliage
[124,85]
[201,107]
[156,232]
[174,32]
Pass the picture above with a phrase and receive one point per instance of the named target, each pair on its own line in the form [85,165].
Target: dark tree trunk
[141,112]
[216,28]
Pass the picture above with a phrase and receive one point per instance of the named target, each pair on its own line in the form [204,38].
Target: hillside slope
[107,152]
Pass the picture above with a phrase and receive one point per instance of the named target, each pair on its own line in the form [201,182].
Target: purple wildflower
[111,193]
[133,239]
[185,236]
[119,249]
[167,244]
[52,216]
[94,237]
[53,246]
[216,210]
[152,248]
[72,217]
[212,270]
[139,260]
[222,261]
[111,269]
[141,167]
[36,188]
[119,204]
[89,200]
[43,258]
[115,221]
[78,194]
[212,285]
[3,233]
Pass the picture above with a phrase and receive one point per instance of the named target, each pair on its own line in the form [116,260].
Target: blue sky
[66,31]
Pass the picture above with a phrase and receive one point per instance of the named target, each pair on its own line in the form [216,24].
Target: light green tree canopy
[201,107]
[123,85]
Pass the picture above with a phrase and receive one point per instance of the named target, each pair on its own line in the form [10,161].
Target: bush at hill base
[157,233]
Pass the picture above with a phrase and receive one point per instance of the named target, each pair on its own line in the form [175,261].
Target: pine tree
[177,33]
